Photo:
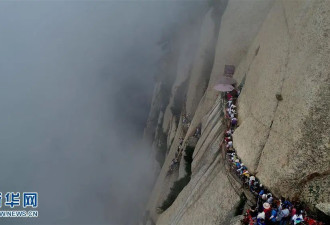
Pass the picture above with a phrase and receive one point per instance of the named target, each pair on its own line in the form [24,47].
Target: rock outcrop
[281,53]
[286,142]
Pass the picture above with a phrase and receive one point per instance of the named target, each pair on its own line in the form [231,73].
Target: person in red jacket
[267,210]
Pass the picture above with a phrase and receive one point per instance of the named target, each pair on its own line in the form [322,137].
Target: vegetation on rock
[181,183]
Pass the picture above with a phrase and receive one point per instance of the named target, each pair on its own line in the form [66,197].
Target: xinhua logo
[11,200]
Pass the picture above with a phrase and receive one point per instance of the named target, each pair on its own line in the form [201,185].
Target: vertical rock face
[239,25]
[287,142]
[281,53]
[203,61]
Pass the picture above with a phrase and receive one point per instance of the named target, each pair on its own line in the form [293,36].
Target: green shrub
[174,192]
[240,206]
[179,184]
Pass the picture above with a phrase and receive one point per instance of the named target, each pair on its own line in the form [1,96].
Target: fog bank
[75,88]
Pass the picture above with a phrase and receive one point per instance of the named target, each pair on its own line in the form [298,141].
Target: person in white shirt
[297,218]
[261,215]
[229,144]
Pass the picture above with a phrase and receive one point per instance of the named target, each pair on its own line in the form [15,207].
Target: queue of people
[268,209]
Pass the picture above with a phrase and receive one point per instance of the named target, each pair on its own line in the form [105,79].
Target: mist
[75,91]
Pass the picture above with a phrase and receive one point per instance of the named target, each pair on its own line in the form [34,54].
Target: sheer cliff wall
[287,142]
[279,48]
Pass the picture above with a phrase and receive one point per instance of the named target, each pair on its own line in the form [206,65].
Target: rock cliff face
[287,142]
[279,48]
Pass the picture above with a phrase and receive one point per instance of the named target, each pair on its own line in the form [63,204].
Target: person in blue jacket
[272,218]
